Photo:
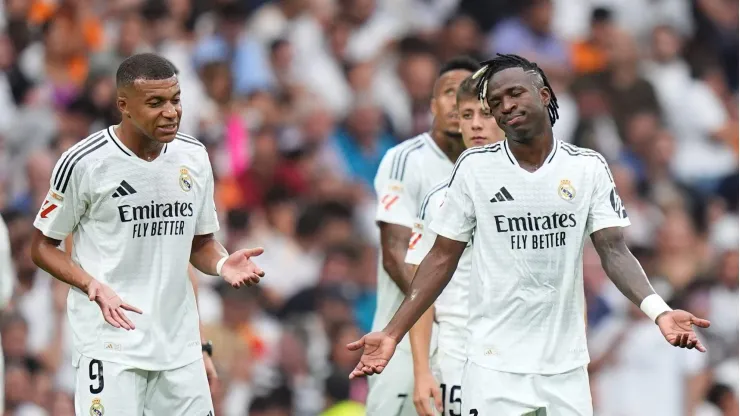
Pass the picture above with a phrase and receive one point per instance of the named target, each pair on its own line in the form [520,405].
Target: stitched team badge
[97,409]
[566,190]
[186,182]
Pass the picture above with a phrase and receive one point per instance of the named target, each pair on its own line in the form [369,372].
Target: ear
[433,107]
[122,104]
[545,96]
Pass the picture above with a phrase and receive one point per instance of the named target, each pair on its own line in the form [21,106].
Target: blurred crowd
[298,100]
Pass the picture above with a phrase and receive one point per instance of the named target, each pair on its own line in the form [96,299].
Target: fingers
[252,252]
[701,323]
[357,371]
[423,406]
[437,395]
[354,346]
[123,319]
[700,347]
[109,318]
[128,307]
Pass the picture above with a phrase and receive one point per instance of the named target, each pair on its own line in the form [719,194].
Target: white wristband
[220,264]
[653,306]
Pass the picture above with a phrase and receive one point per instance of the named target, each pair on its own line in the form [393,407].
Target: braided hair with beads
[501,62]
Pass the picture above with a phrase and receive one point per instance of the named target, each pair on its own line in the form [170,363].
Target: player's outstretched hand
[111,305]
[677,328]
[378,350]
[426,387]
[239,270]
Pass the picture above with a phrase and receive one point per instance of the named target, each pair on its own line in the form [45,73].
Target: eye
[176,101]
[155,104]
[467,116]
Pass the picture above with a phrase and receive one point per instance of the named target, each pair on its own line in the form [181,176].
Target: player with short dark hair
[137,199]
[531,200]
[406,173]
[441,379]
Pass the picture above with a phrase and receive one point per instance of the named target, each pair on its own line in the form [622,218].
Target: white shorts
[391,392]
[491,393]
[111,389]
[449,373]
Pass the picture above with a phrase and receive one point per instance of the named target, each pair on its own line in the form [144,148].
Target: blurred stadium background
[297,101]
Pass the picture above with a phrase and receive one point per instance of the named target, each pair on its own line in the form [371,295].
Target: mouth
[168,128]
[478,140]
[517,119]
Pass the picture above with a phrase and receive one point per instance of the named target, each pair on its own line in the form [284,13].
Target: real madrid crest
[186,182]
[97,409]
[566,190]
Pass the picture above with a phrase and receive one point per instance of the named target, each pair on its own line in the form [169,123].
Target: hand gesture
[425,387]
[378,350]
[111,305]
[238,270]
[677,329]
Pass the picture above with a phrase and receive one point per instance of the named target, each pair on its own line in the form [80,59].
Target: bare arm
[434,272]
[420,335]
[394,242]
[45,253]
[205,253]
[621,265]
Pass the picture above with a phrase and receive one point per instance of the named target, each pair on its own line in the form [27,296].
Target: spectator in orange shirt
[588,55]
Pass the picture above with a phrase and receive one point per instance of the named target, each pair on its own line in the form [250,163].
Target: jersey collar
[548,159]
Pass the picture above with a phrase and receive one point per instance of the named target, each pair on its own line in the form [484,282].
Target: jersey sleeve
[456,219]
[66,202]
[207,221]
[396,186]
[606,208]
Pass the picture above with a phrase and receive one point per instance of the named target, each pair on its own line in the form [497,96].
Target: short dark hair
[464,63]
[501,62]
[468,89]
[146,66]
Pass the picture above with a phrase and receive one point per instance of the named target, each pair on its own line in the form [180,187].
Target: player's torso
[528,248]
[451,307]
[136,236]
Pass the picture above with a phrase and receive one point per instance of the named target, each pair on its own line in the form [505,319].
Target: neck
[447,145]
[533,152]
[142,146]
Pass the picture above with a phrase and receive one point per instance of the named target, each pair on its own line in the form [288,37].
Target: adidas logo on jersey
[502,195]
[123,190]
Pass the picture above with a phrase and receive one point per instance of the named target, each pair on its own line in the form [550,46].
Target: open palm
[378,348]
[677,327]
[239,269]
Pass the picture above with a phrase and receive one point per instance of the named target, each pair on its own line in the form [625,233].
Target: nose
[508,104]
[169,111]
[477,122]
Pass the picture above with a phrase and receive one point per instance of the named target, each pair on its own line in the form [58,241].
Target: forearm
[434,272]
[621,266]
[47,255]
[206,253]
[420,336]
[394,244]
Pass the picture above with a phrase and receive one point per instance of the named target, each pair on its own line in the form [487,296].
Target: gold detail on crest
[186,181]
[566,190]
[97,409]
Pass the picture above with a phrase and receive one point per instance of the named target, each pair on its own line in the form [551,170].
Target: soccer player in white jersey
[406,173]
[138,201]
[531,201]
[441,380]
[7,282]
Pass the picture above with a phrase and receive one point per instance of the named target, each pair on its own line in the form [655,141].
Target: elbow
[388,263]
[37,250]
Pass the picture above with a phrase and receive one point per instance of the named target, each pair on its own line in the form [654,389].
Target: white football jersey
[406,173]
[133,224]
[451,307]
[526,290]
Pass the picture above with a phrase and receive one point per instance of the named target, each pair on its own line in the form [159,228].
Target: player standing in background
[478,128]
[531,201]
[138,200]
[7,281]
[406,173]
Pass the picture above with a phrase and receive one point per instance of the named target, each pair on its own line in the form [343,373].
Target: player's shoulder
[188,143]
[435,193]
[398,158]
[581,157]
[81,158]
[480,154]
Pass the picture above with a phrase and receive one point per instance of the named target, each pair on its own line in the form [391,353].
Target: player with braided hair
[531,201]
